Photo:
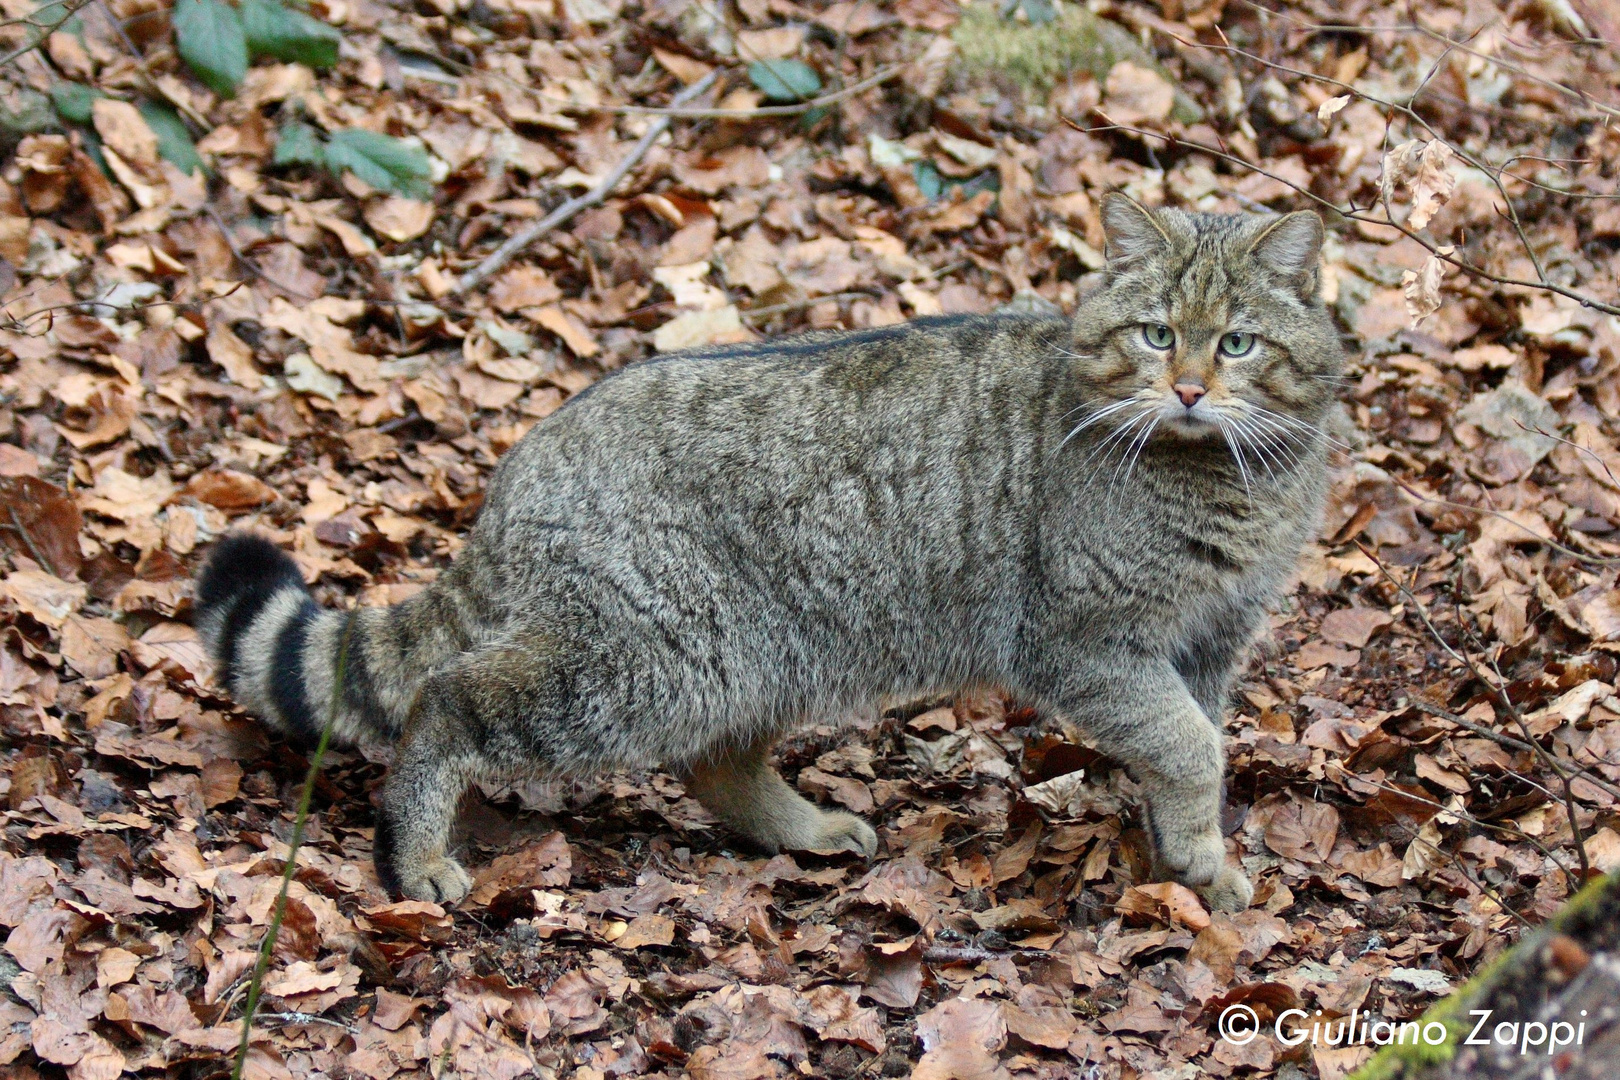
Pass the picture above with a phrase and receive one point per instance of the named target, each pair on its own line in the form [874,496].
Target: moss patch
[1036,57]
[1593,905]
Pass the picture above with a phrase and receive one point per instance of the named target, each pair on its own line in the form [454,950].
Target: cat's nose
[1189,390]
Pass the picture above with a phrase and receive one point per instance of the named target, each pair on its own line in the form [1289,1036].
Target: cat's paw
[1229,891]
[1195,859]
[838,831]
[440,880]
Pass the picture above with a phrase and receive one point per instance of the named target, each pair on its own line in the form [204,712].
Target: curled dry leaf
[1422,289]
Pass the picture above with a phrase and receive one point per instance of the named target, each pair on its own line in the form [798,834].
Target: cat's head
[1208,326]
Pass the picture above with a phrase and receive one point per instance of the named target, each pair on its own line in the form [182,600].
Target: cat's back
[787,403]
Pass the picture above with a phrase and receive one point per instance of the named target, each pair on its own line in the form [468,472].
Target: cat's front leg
[1140,712]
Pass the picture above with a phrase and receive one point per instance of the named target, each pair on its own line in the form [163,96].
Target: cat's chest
[1213,569]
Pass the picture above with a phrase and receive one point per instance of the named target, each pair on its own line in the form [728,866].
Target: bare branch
[530,233]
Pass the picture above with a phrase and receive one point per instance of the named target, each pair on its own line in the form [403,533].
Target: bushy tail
[277,651]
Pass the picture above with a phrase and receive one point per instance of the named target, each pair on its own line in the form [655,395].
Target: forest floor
[246,312]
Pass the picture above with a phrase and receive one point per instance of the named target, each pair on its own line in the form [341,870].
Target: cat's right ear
[1131,230]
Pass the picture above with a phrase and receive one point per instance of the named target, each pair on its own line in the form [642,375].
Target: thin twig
[45,27]
[530,233]
[1595,560]
[1499,691]
[304,1018]
[39,556]
[974,954]
[824,100]
[267,947]
[1462,816]
[1356,215]
[760,313]
[1478,729]
[1517,744]
[18,324]
[248,264]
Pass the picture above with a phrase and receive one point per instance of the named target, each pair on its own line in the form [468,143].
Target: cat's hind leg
[468,721]
[739,787]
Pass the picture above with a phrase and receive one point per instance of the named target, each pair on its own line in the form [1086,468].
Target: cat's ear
[1291,247]
[1131,229]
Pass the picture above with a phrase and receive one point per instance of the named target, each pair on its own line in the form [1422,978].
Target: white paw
[1193,859]
[440,880]
[839,831]
[1230,891]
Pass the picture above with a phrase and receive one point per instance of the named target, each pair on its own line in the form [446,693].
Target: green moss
[1035,57]
[1396,1062]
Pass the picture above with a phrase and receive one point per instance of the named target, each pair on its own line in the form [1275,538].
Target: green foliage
[74,101]
[384,162]
[174,141]
[24,109]
[285,33]
[784,81]
[210,38]
[1035,55]
[935,184]
[298,144]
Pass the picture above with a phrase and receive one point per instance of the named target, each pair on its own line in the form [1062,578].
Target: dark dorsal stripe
[239,617]
[359,687]
[287,689]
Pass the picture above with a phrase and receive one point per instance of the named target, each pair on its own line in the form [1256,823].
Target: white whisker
[1237,456]
[1118,432]
[1256,441]
[1142,445]
[1092,419]
[1267,439]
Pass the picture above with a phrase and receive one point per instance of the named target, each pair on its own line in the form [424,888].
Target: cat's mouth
[1201,420]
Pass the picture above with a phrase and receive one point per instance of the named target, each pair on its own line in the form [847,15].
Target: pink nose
[1189,392]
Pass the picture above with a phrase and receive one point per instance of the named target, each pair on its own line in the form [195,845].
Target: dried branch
[530,233]
[1355,215]
[44,24]
[823,101]
[248,264]
[1499,691]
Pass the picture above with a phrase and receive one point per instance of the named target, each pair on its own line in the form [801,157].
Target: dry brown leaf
[1135,95]
[399,219]
[1421,289]
[1354,626]
[1305,831]
[125,131]
[572,332]
[228,489]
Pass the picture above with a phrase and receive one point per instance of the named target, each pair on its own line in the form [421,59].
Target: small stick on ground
[529,234]
[248,264]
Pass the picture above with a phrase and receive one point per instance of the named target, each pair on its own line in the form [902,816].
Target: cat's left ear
[1291,247]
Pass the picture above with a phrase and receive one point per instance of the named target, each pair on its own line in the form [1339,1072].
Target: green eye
[1158,335]
[1236,344]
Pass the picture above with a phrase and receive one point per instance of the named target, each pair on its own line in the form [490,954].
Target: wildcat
[704,551]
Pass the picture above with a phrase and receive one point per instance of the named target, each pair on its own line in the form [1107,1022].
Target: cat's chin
[1190,428]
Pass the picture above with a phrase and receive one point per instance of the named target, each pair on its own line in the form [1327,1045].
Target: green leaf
[210,39]
[174,141]
[92,147]
[298,143]
[384,162]
[784,80]
[1039,12]
[929,179]
[273,29]
[24,109]
[74,100]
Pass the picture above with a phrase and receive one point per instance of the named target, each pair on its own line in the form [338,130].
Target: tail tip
[242,561]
